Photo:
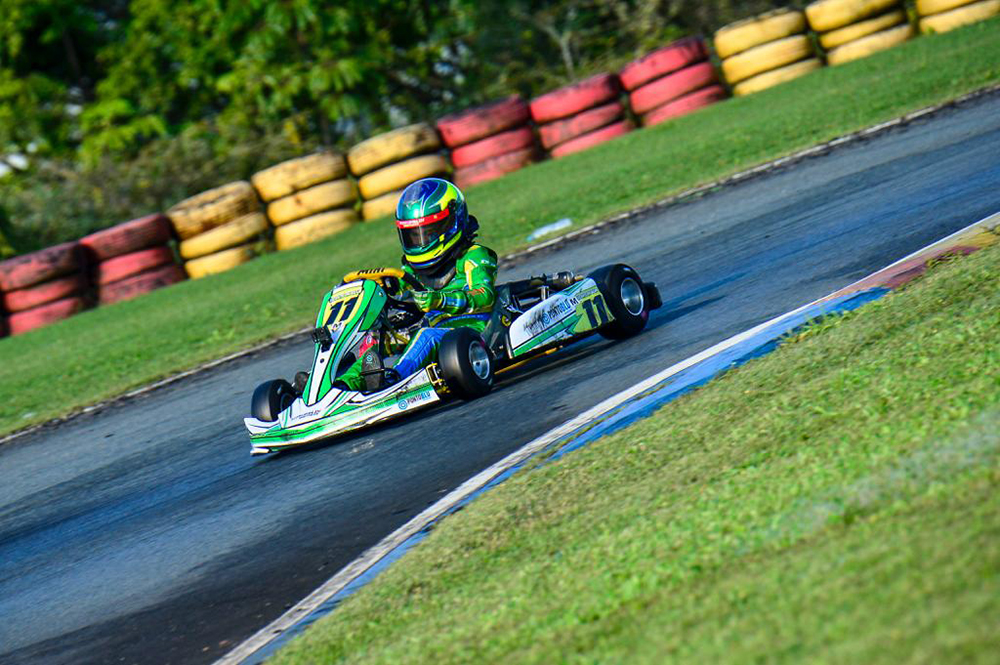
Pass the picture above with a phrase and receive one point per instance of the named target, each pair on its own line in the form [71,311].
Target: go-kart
[531,317]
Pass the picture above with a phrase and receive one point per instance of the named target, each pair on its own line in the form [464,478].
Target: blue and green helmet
[432,219]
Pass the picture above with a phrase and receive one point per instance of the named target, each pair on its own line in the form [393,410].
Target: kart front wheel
[270,399]
[466,363]
[626,299]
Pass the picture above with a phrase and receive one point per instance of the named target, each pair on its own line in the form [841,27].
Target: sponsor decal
[553,312]
[407,402]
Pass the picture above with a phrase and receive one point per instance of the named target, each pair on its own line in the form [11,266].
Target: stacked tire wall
[387,163]
[217,229]
[763,51]
[671,81]
[945,15]
[489,141]
[853,29]
[130,259]
[580,116]
[308,198]
[43,287]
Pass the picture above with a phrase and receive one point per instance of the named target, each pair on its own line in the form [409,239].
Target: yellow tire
[289,177]
[929,7]
[240,230]
[391,147]
[380,206]
[210,209]
[329,195]
[313,228]
[766,57]
[401,174]
[956,18]
[864,47]
[827,15]
[776,76]
[222,261]
[742,35]
[834,38]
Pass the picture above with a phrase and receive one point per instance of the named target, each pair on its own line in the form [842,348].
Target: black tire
[270,399]
[466,363]
[626,300]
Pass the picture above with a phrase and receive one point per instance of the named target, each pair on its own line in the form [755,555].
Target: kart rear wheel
[626,300]
[270,399]
[466,363]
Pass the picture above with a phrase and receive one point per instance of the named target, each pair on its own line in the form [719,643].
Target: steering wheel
[402,313]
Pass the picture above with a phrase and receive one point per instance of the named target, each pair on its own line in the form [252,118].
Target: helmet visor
[422,237]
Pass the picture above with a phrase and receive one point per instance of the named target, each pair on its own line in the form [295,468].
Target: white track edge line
[371,556]
[513,258]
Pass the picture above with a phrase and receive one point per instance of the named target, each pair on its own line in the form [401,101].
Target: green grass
[835,501]
[108,351]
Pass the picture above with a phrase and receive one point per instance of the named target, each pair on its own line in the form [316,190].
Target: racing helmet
[433,223]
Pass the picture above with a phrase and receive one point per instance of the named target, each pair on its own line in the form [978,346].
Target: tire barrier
[215,222]
[212,208]
[297,174]
[495,167]
[237,232]
[302,188]
[593,138]
[673,81]
[380,206]
[141,283]
[128,252]
[43,287]
[772,48]
[572,99]
[684,105]
[222,261]
[149,231]
[961,14]
[41,266]
[315,227]
[465,127]
[393,160]
[582,115]
[862,48]
[672,86]
[853,29]
[748,33]
[827,15]
[485,136]
[316,199]
[43,315]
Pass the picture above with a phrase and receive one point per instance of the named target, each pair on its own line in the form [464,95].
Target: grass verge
[836,501]
[105,352]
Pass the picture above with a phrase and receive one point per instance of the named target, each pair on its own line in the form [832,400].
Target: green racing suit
[466,300]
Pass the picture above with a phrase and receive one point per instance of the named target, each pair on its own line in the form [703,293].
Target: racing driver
[438,236]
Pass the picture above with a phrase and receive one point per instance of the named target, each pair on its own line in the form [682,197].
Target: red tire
[684,105]
[461,128]
[672,86]
[3,326]
[592,139]
[560,131]
[662,61]
[572,99]
[134,263]
[41,266]
[494,167]
[137,285]
[44,315]
[128,237]
[33,296]
[494,146]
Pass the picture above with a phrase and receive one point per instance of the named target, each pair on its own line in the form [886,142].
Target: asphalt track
[147,534]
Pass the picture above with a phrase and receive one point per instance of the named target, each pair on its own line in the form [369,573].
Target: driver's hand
[428,300]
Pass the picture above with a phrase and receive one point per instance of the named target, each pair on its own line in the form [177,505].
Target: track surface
[147,534]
